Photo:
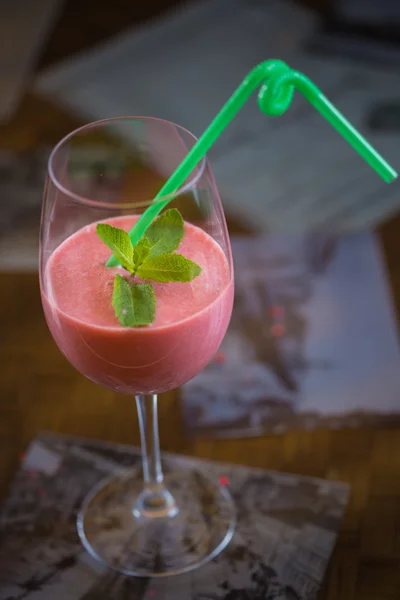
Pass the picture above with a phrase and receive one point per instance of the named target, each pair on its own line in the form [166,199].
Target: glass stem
[155,500]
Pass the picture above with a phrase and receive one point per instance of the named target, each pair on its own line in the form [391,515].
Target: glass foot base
[130,542]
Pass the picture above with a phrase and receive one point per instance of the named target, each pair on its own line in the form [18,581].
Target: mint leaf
[119,243]
[141,251]
[169,267]
[122,302]
[134,306]
[166,232]
[144,303]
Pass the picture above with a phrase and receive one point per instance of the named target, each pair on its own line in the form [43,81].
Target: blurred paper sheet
[24,26]
[292,173]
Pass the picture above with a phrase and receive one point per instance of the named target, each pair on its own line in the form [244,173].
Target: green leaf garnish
[169,267]
[119,242]
[153,258]
[122,301]
[134,306]
[166,232]
[141,251]
[144,303]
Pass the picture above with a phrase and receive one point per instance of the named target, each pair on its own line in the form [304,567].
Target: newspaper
[292,173]
[285,535]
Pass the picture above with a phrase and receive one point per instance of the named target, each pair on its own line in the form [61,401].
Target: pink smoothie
[191,318]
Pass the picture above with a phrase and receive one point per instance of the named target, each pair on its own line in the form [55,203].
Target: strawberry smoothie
[191,318]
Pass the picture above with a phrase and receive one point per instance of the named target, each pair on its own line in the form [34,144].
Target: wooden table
[39,390]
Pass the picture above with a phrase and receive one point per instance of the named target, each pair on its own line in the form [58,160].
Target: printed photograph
[287,526]
[312,341]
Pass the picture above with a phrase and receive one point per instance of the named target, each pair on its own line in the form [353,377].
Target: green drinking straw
[278,83]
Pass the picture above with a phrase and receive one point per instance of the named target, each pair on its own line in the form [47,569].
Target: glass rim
[80,199]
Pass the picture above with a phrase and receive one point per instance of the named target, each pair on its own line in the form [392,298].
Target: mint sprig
[119,242]
[141,252]
[165,233]
[152,258]
[134,306]
[168,267]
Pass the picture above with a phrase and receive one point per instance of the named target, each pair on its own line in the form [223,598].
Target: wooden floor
[39,390]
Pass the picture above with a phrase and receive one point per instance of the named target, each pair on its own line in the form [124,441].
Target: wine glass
[141,521]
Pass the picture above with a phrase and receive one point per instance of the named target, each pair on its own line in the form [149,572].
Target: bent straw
[278,82]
